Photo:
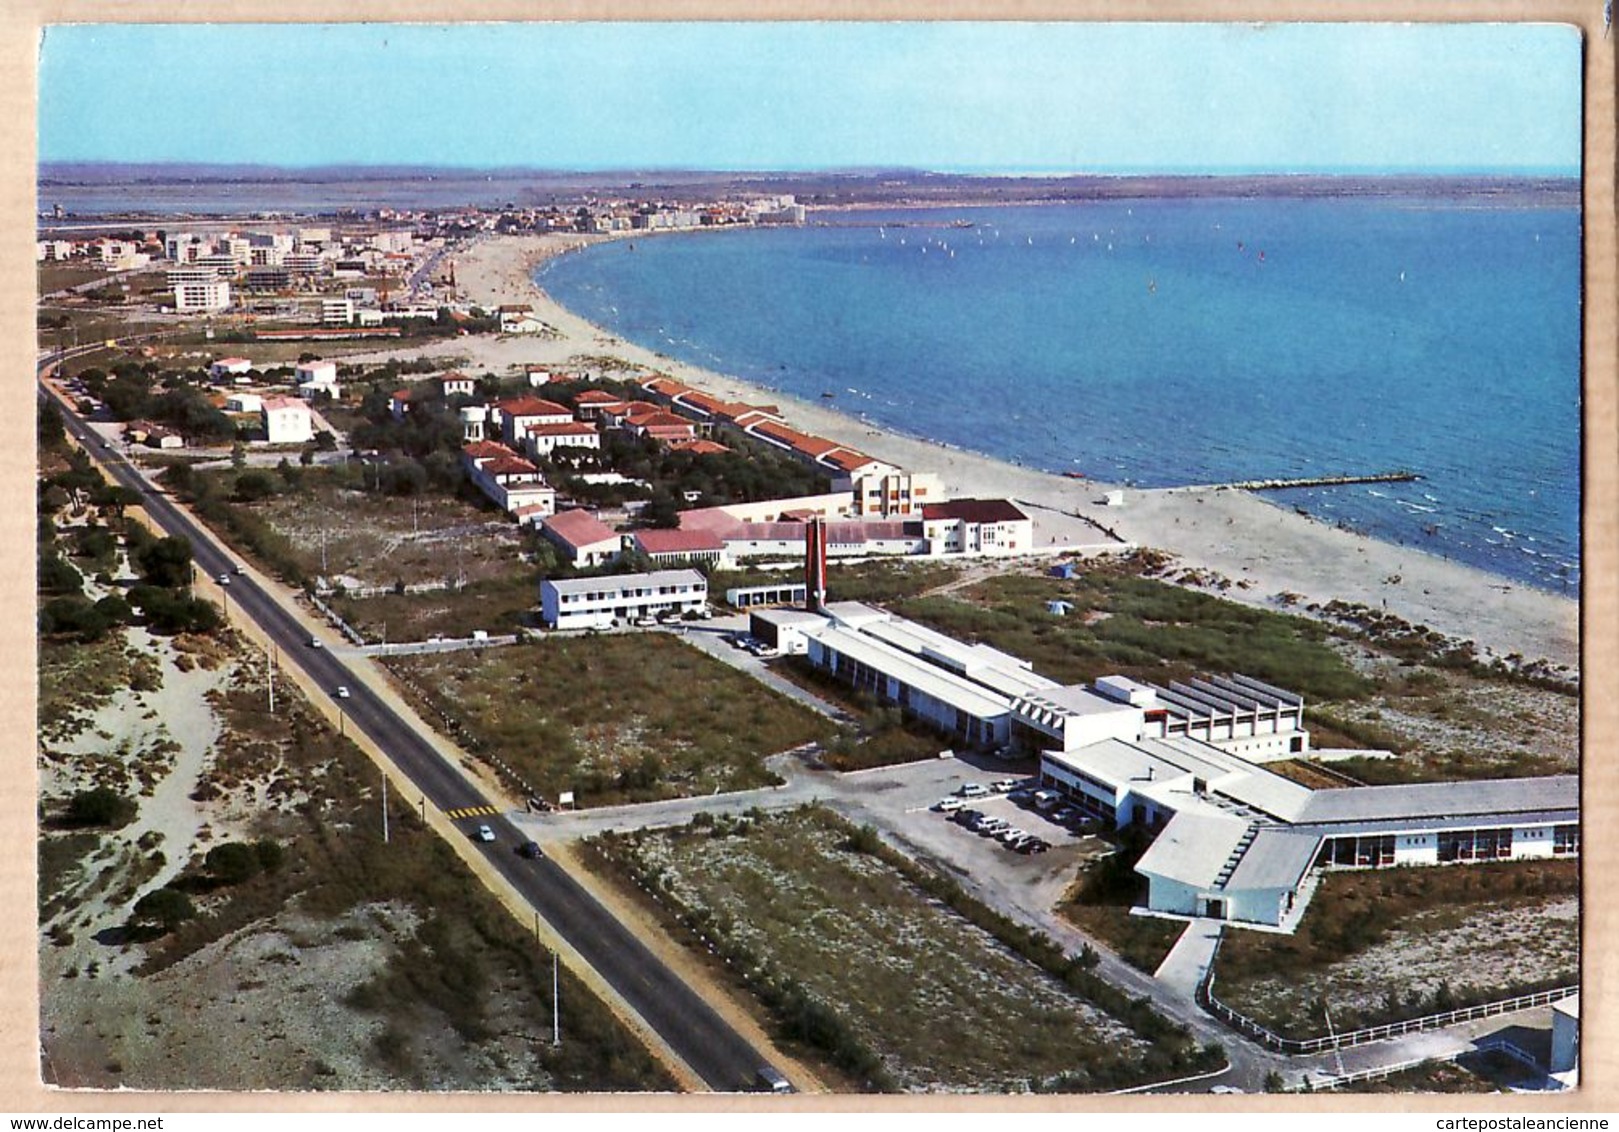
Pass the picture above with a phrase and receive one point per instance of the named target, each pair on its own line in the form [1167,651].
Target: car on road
[314,643]
[238,571]
[224,579]
[529,849]
[972,790]
[484,833]
[342,692]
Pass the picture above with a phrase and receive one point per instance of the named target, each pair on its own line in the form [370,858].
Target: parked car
[947,805]
[968,818]
[973,790]
[1064,814]
[991,827]
[1009,835]
[1004,785]
[485,833]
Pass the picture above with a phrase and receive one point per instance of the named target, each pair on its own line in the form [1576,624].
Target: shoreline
[1263,549]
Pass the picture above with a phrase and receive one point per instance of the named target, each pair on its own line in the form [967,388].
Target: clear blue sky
[978,97]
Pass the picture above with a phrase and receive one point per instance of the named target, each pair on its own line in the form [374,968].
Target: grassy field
[1140,627]
[614,718]
[859,965]
[1384,945]
[496,605]
[348,964]
[884,735]
[380,540]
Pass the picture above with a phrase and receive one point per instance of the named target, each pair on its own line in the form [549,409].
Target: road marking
[472,812]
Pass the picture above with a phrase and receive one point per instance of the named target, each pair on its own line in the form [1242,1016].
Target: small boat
[1075,475]
[828,394]
[962,223]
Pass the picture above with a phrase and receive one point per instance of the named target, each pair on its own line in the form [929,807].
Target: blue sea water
[1171,342]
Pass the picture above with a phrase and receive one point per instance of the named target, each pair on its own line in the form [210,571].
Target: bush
[163,910]
[233,862]
[101,806]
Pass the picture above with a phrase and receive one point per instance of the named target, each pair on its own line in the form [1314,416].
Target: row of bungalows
[878,489]
[1231,840]
[964,526]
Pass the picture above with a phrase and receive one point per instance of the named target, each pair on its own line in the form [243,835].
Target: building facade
[597,603]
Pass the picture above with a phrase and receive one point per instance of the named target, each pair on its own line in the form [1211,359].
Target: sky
[970,97]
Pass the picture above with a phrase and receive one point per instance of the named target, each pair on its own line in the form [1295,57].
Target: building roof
[697,446]
[946,687]
[510,466]
[1499,797]
[649,580]
[1277,858]
[665,386]
[848,460]
[663,541]
[233,362]
[562,428]
[532,407]
[597,397]
[579,528]
[1193,847]
[486,450]
[661,419]
[974,511]
[284,403]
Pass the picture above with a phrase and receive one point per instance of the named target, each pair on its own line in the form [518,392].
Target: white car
[485,833]
[948,805]
[224,579]
[342,692]
[973,790]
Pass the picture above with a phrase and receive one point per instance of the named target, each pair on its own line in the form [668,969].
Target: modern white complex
[595,603]
[1232,840]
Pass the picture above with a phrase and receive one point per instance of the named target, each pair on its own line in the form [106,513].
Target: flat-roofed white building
[596,603]
[229,368]
[317,378]
[213,295]
[286,420]
[977,526]
[336,311]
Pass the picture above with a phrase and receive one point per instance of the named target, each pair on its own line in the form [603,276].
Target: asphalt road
[714,1051]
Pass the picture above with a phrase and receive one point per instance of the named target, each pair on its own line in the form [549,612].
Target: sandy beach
[1263,549]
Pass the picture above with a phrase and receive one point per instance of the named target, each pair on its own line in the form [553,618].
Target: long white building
[595,603]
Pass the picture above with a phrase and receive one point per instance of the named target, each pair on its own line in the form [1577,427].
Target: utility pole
[385,808]
[269,678]
[556,1005]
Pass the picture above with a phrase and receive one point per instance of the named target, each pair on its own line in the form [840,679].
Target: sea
[1167,343]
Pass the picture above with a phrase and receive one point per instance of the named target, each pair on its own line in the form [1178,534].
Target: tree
[255,485]
[238,455]
[166,562]
[163,910]
[233,862]
[101,805]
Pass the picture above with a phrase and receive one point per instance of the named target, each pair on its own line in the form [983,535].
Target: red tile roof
[974,511]
[698,447]
[532,407]
[667,432]
[579,528]
[679,541]
[564,428]
[848,460]
[597,397]
[510,466]
[486,449]
[665,386]
[661,420]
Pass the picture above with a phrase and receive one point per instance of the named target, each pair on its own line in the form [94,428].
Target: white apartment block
[596,603]
[194,297]
[287,421]
[336,312]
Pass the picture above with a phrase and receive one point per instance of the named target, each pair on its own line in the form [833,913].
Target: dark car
[530,849]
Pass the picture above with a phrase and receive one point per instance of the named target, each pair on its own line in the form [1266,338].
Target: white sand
[1235,534]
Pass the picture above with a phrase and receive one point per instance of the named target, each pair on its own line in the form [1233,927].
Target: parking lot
[900,802]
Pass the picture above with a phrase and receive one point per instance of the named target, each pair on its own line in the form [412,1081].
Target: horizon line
[359,170]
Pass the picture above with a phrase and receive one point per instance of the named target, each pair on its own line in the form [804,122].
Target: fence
[1498,1044]
[1272,1040]
[331,615]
